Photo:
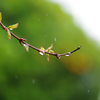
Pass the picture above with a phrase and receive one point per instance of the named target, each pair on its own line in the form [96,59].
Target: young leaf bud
[41,53]
[0,17]
[11,27]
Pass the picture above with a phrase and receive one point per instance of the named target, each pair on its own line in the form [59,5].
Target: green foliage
[27,75]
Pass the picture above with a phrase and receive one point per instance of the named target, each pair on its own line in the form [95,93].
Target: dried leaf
[11,27]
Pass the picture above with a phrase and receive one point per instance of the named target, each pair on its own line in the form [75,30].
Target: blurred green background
[29,76]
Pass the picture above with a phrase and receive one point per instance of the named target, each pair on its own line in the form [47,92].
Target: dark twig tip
[76,49]
[79,47]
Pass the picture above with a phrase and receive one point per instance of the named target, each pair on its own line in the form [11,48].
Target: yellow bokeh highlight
[79,63]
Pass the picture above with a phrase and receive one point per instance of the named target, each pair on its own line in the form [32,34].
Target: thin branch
[22,41]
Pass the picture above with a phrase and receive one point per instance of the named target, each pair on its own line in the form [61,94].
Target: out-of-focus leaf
[68,54]
[41,53]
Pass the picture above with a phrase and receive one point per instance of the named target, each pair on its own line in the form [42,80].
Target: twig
[41,51]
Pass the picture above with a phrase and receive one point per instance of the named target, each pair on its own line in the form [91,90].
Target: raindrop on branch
[67,54]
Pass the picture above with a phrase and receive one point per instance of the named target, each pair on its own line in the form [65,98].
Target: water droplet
[68,54]
[38,19]
[11,29]
[46,14]
[54,39]
[24,45]
[33,81]
[88,91]
[41,53]
[65,25]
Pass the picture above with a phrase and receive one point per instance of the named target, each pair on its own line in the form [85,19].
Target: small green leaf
[0,17]
[9,35]
[51,51]
[50,47]
[11,27]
